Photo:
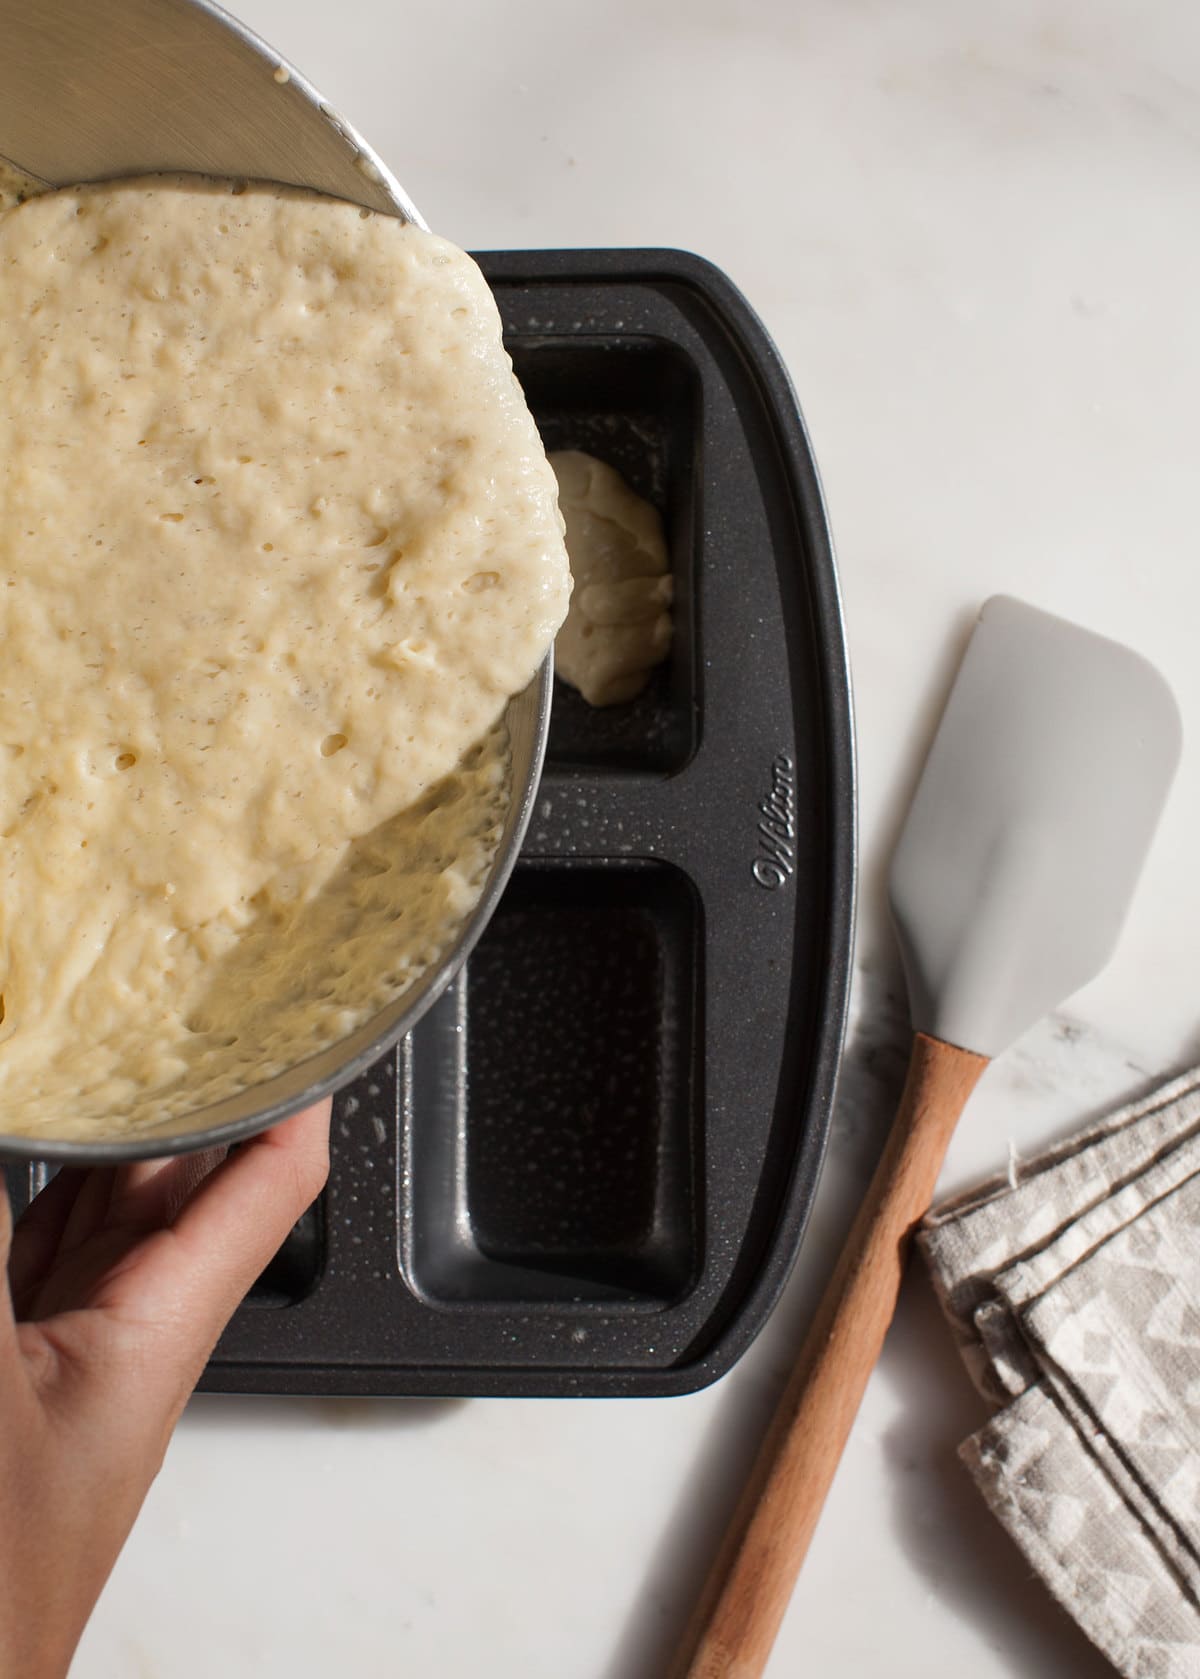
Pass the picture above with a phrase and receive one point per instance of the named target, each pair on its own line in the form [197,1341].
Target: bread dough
[16,185]
[618,626]
[278,542]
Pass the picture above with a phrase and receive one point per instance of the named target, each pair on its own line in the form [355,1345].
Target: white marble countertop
[971,231]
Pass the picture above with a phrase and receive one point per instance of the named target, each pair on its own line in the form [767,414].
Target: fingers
[6,1310]
[185,1283]
[89,1209]
[71,1211]
[38,1233]
[152,1192]
[85,1220]
[78,1202]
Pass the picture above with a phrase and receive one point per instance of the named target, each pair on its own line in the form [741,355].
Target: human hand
[120,1281]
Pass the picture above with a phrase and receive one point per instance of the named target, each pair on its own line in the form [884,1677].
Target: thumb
[182,1284]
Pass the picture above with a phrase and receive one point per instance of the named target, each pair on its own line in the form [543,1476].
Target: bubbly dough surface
[278,541]
[618,626]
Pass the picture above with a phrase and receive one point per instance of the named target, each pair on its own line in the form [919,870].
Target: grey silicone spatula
[1009,885]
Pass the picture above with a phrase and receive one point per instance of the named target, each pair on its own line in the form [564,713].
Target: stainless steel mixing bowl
[94,89]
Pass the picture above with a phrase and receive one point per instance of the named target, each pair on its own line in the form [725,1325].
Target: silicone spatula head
[1034,813]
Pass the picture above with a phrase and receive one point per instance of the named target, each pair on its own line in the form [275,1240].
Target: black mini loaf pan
[588,1170]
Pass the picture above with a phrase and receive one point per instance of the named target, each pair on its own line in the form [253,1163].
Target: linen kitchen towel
[1072,1286]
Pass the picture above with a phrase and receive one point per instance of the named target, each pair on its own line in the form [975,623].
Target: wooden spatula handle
[735,1626]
